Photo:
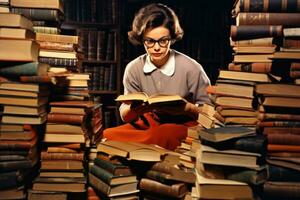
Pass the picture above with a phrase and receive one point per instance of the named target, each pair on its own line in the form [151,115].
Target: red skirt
[149,130]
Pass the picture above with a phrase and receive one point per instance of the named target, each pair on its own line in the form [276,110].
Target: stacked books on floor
[23,105]
[279,121]
[147,171]
[278,103]
[230,163]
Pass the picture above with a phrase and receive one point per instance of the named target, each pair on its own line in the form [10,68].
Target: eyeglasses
[162,42]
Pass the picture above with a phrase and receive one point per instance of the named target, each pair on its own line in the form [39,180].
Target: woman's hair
[152,16]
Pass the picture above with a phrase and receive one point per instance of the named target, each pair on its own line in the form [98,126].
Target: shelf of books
[96,23]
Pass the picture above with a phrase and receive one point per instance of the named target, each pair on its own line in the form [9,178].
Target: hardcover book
[133,151]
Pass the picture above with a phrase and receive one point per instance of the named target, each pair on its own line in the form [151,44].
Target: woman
[161,70]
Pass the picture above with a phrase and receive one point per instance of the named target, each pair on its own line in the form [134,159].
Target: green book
[23,69]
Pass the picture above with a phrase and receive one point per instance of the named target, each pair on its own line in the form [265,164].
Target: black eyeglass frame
[162,42]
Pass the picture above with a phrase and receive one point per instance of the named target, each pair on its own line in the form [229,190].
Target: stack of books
[23,105]
[4,6]
[230,158]
[278,108]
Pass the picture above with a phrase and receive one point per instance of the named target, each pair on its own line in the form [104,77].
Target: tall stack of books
[24,105]
[230,159]
[278,108]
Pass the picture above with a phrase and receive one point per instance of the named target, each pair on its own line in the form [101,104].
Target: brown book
[18,144]
[13,20]
[234,102]
[57,46]
[64,128]
[291,43]
[173,173]
[269,6]
[286,139]
[282,90]
[286,55]
[279,124]
[54,4]
[61,165]
[283,148]
[286,162]
[57,54]
[254,49]
[176,190]
[18,50]
[251,67]
[245,76]
[278,116]
[37,79]
[31,87]
[59,187]
[281,190]
[239,120]
[226,112]
[236,158]
[208,188]
[295,74]
[243,32]
[22,101]
[24,119]
[62,174]
[13,193]
[65,118]
[223,89]
[284,19]
[281,130]
[16,33]
[64,138]
[269,41]
[280,102]
[249,58]
[46,195]
[61,156]
[132,150]
[11,127]
[57,38]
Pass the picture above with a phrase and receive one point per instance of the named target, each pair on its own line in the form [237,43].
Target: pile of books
[23,103]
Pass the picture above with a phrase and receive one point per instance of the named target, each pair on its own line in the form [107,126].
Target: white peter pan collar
[168,68]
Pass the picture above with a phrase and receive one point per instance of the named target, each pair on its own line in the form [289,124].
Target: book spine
[59,61]
[277,173]
[251,67]
[98,185]
[284,19]
[108,166]
[251,177]
[39,14]
[245,32]
[65,118]
[57,46]
[10,179]
[277,116]
[295,74]
[269,6]
[13,145]
[283,148]
[291,43]
[281,190]
[279,124]
[288,139]
[295,66]
[15,165]
[47,30]
[281,130]
[101,174]
[158,176]
[27,69]
[61,156]
[36,79]
[176,190]
[57,38]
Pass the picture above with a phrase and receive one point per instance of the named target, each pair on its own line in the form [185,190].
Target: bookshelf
[97,23]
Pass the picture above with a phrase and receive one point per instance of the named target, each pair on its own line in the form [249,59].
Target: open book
[153,99]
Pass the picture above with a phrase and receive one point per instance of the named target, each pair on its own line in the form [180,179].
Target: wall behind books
[206,27]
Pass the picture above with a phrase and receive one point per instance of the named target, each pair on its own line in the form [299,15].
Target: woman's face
[157,43]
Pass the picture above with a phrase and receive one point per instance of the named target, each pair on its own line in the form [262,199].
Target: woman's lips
[156,54]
